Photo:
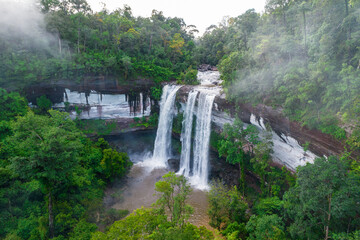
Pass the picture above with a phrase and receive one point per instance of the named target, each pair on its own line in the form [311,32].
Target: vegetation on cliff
[76,41]
[302,56]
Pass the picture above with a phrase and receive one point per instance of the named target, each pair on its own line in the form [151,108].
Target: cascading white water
[186,134]
[106,106]
[162,147]
[201,142]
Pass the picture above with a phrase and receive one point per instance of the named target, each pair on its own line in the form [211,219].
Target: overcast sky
[201,13]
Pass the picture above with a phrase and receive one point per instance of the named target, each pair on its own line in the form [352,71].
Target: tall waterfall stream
[162,144]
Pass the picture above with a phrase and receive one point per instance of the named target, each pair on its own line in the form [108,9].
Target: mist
[23,25]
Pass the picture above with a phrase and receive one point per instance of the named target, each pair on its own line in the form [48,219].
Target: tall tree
[46,149]
[236,141]
[174,191]
[324,200]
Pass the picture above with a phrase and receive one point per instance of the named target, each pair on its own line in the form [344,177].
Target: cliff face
[321,144]
[288,136]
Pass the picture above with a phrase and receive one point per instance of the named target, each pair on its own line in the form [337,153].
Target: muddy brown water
[138,188]
[139,191]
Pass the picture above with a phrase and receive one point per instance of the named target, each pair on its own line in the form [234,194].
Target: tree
[11,106]
[138,225]
[114,164]
[226,205]
[174,191]
[46,149]
[261,160]
[265,227]
[324,200]
[235,140]
[43,103]
[268,206]
[177,43]
[304,8]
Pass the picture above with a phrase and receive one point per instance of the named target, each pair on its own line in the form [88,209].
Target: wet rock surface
[321,144]
[206,67]
[174,164]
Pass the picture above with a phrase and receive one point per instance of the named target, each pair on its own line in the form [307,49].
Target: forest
[299,57]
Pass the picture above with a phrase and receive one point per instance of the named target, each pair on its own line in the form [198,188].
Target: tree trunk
[328,219]
[304,18]
[150,43]
[51,217]
[60,48]
[240,171]
[347,14]
[347,7]
[78,41]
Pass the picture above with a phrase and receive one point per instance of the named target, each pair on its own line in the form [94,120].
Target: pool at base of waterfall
[137,189]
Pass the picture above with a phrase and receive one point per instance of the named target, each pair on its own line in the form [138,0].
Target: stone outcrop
[206,67]
[321,144]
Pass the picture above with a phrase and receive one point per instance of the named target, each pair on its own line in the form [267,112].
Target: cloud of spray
[23,23]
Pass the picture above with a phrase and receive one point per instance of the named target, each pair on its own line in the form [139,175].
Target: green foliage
[265,227]
[149,224]
[43,103]
[235,231]
[151,121]
[52,144]
[189,77]
[261,160]
[214,139]
[98,127]
[82,230]
[225,206]
[11,106]
[174,191]
[50,171]
[177,123]
[100,43]
[139,224]
[156,92]
[269,206]
[347,236]
[326,194]
[188,231]
[113,215]
[114,164]
[233,143]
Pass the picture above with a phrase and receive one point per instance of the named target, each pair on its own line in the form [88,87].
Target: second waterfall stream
[194,166]
[162,146]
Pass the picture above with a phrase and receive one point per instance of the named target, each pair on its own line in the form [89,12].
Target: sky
[201,13]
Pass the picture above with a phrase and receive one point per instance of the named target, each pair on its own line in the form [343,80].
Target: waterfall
[162,147]
[186,134]
[141,104]
[201,141]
